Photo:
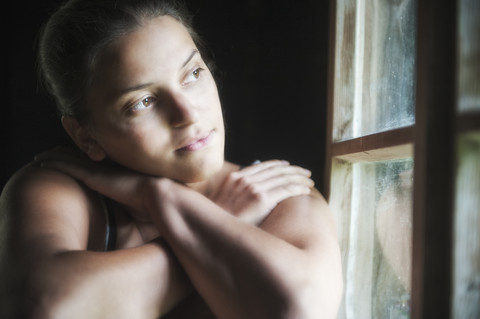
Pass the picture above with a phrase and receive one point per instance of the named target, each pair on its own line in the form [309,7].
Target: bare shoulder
[45,208]
[31,176]
[302,220]
[35,186]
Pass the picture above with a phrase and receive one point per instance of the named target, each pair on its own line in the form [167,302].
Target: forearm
[288,266]
[142,282]
[241,270]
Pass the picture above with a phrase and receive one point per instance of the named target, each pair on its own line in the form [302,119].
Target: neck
[200,187]
[215,181]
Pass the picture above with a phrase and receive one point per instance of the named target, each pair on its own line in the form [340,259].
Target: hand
[119,184]
[253,192]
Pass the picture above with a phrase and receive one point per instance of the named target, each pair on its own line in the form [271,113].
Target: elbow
[317,302]
[316,292]
[307,298]
[314,300]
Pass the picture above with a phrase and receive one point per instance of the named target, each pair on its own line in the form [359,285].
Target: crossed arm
[283,263]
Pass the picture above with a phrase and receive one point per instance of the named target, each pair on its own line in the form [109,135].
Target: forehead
[157,47]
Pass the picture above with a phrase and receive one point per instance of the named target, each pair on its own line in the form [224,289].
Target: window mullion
[434,160]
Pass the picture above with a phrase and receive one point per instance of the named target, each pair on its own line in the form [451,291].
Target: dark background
[271,59]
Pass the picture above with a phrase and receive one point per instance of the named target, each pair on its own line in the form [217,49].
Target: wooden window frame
[431,142]
[434,160]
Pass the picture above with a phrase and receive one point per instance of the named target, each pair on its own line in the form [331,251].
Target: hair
[79,30]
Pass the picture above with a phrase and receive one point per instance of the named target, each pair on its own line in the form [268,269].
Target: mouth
[197,143]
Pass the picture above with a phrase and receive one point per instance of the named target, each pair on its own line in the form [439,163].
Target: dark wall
[271,59]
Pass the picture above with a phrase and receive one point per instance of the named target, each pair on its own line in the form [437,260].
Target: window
[466,233]
[372,166]
[404,99]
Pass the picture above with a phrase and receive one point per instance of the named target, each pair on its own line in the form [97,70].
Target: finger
[275,172]
[281,193]
[285,181]
[70,166]
[60,153]
[77,164]
[120,185]
[259,166]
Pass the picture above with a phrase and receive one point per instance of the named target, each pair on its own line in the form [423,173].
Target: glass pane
[372,203]
[466,303]
[344,84]
[389,66]
[374,81]
[469,55]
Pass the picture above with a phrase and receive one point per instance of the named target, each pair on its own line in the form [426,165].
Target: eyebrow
[194,52]
[134,88]
[145,85]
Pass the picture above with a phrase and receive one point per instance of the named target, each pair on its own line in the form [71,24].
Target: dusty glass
[372,203]
[466,269]
[374,83]
[466,247]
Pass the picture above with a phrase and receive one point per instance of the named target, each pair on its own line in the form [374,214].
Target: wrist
[162,201]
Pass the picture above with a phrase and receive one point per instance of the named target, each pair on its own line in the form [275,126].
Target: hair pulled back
[77,32]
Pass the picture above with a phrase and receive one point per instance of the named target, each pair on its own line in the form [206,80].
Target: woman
[152,221]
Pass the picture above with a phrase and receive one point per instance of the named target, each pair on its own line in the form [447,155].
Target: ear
[83,138]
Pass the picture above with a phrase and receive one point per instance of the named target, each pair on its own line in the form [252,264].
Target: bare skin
[72,243]
[194,229]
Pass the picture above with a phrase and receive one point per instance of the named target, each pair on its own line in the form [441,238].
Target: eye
[196,73]
[193,76]
[143,104]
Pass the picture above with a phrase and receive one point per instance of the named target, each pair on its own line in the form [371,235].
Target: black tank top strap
[111,225]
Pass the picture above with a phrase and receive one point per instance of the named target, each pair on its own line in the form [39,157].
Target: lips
[196,143]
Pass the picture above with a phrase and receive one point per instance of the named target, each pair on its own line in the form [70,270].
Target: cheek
[147,138]
[132,141]
[212,101]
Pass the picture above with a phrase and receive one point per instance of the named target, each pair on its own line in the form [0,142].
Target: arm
[47,271]
[289,267]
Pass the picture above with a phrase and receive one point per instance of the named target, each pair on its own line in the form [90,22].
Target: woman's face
[154,105]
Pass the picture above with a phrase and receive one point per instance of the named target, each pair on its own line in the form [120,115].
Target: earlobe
[83,138]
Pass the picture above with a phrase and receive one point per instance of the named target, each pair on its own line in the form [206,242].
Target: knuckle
[251,188]
[259,196]
[244,181]
[156,184]
[234,177]
[256,193]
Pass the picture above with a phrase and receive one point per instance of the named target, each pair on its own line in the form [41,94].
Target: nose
[182,110]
